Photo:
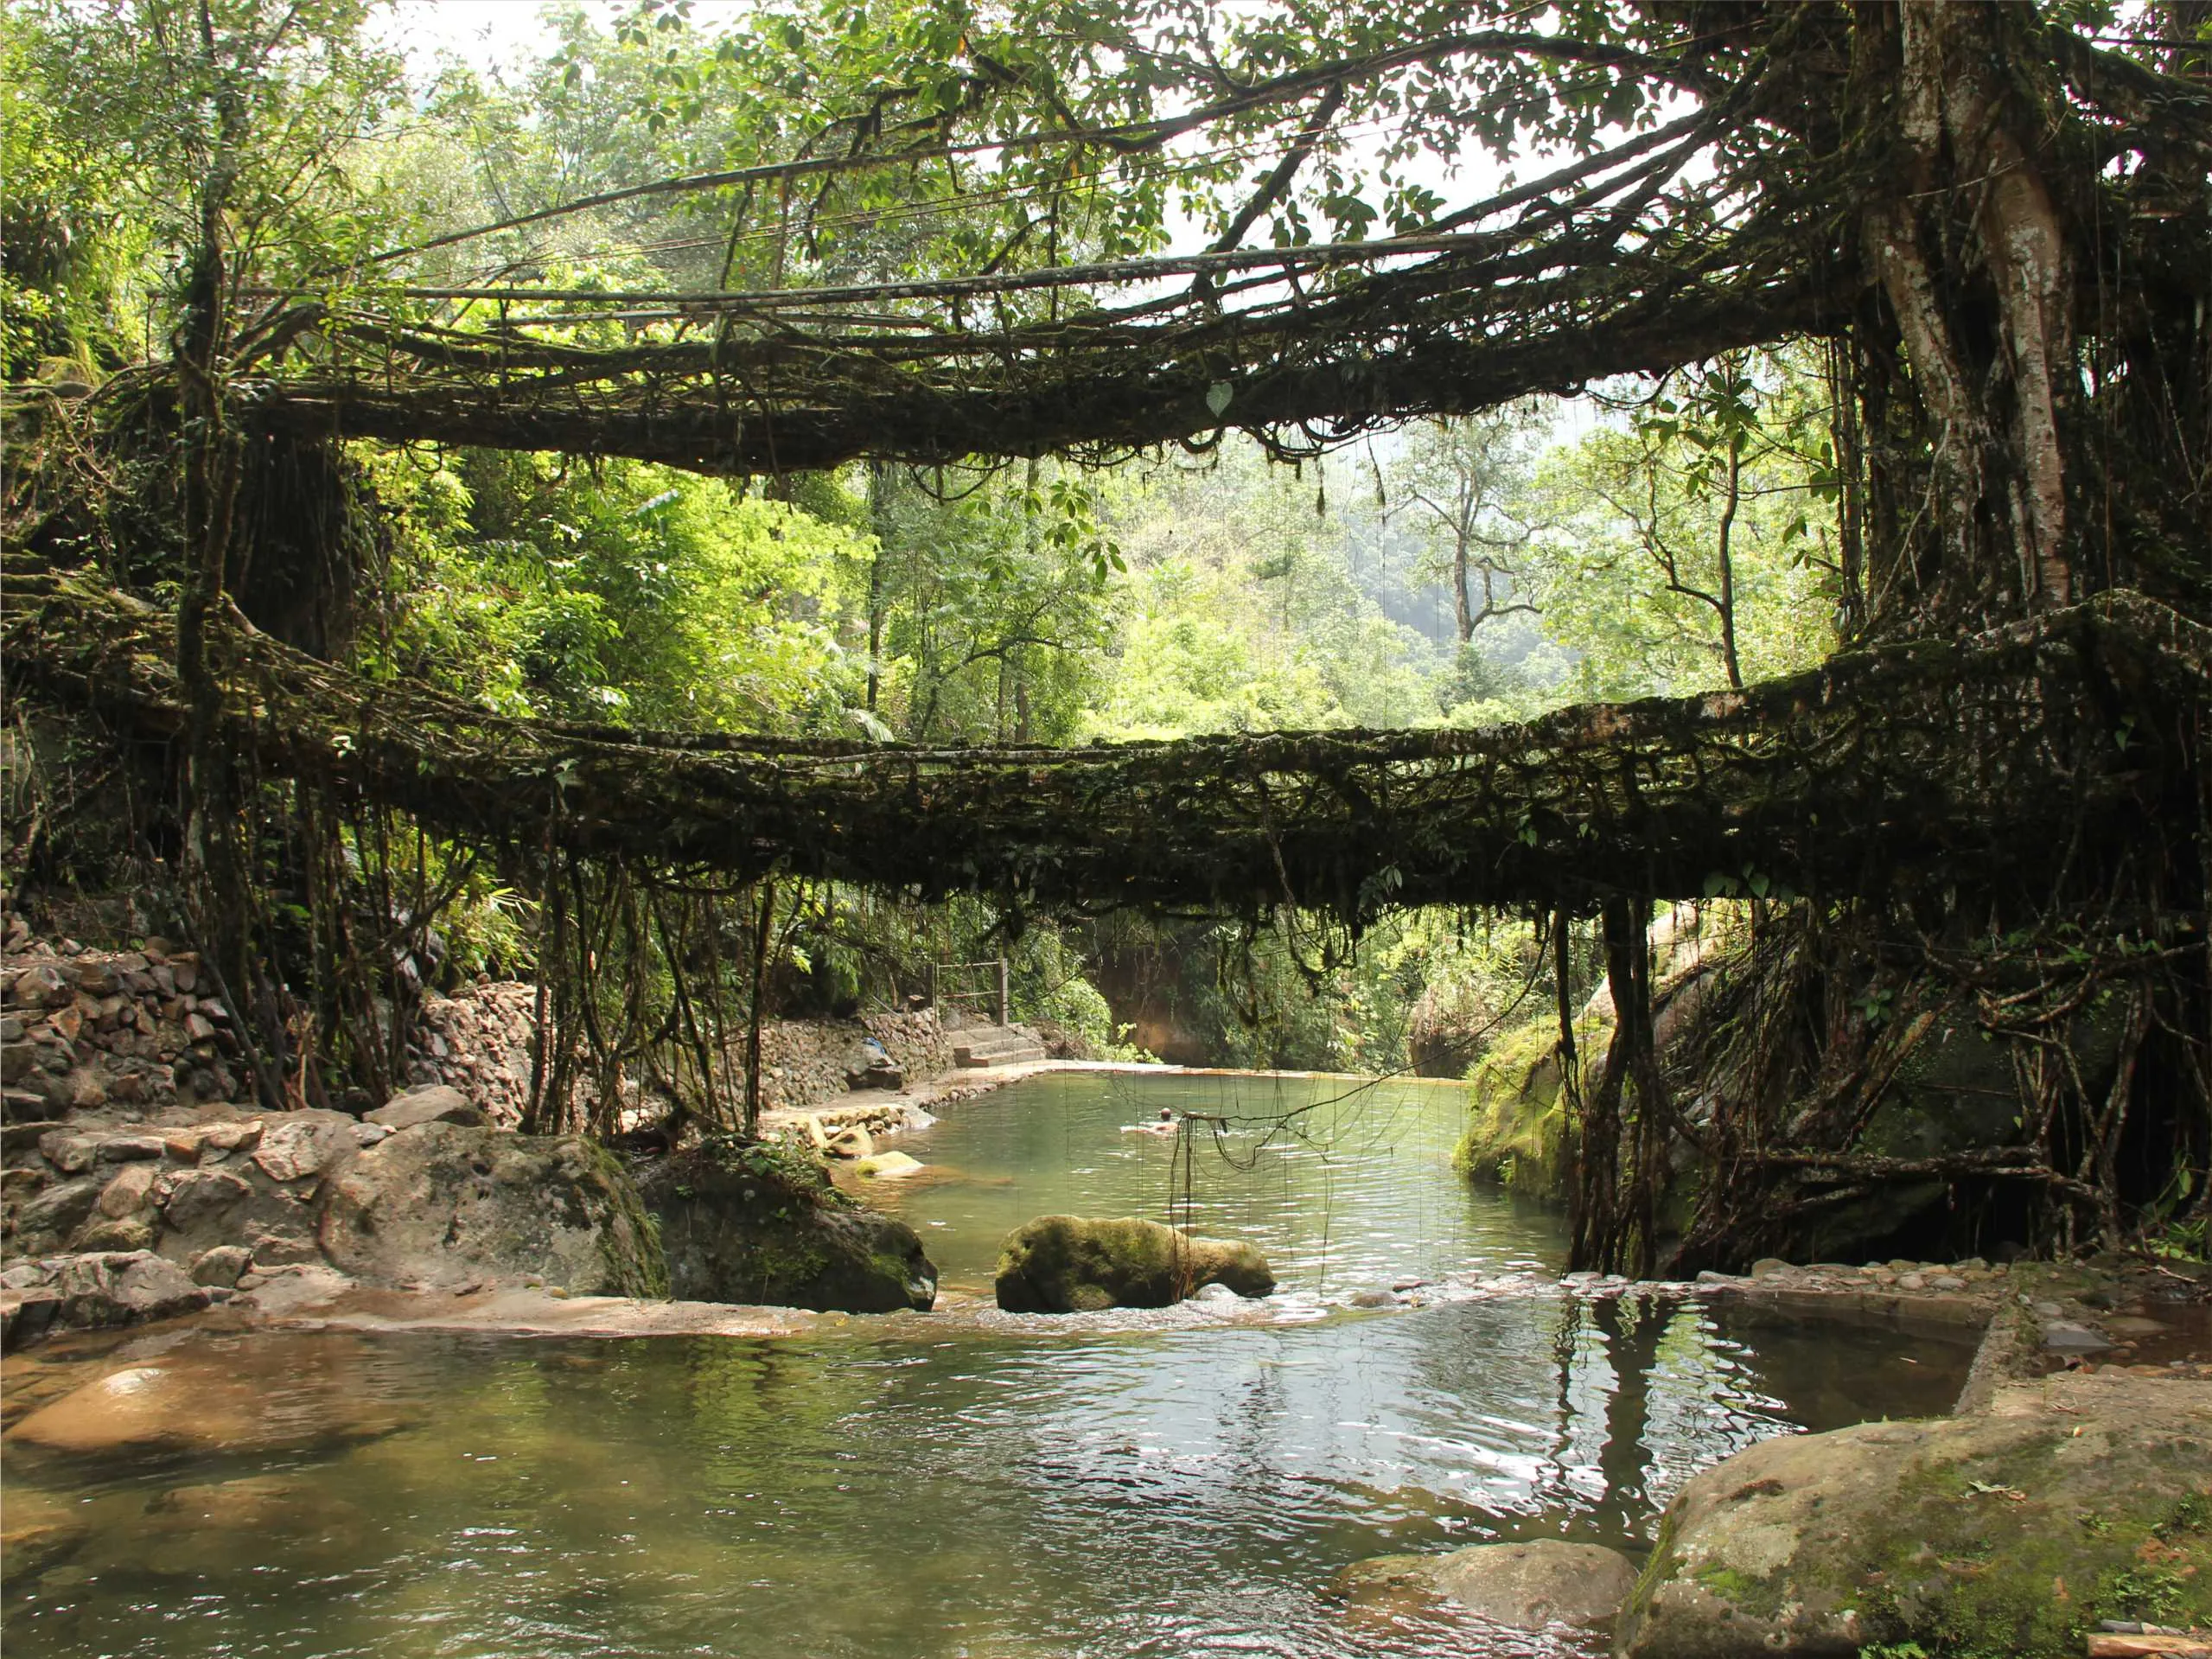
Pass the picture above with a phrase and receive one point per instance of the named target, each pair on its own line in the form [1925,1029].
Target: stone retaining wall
[480,1041]
[84,1030]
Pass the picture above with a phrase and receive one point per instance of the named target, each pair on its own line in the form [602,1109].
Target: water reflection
[918,1488]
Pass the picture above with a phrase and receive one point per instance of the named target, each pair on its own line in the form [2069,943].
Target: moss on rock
[1516,1132]
[1073,1264]
[2074,1500]
[758,1222]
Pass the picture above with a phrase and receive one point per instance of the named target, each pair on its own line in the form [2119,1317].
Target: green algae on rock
[1070,1264]
[1517,1123]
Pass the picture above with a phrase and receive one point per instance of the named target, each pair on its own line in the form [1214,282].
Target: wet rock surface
[1073,1264]
[762,1224]
[1527,1586]
[91,1290]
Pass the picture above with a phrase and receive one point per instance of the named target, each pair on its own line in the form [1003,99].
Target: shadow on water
[908,1489]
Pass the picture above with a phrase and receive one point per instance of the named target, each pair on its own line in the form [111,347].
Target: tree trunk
[766,923]
[1972,257]
[879,512]
[1463,606]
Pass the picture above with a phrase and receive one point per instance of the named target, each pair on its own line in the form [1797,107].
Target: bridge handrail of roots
[1985,761]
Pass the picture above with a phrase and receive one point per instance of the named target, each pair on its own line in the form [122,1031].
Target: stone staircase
[975,1047]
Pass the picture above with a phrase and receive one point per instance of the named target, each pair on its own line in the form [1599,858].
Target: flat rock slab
[1531,1586]
[435,1103]
[537,1313]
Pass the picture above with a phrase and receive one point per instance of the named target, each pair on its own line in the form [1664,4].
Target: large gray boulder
[759,1222]
[2074,1500]
[1073,1264]
[442,1205]
[1527,1586]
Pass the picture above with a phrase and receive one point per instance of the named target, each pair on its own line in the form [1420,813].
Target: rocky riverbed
[2068,1494]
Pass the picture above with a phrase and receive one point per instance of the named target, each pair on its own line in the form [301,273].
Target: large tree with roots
[1993,220]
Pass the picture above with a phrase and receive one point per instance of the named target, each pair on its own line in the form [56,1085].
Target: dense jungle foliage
[1457,573]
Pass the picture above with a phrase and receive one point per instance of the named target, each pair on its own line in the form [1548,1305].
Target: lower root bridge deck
[1986,762]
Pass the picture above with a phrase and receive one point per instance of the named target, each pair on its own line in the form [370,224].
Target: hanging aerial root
[1982,763]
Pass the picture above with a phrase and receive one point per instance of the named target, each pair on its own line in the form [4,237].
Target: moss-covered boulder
[759,1222]
[1516,1132]
[1071,1264]
[444,1204]
[2074,1500]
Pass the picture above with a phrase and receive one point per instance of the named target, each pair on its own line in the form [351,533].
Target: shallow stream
[961,1484]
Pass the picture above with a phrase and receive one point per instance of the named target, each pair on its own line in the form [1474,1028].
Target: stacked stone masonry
[133,1185]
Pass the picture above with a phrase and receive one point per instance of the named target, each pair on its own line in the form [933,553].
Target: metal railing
[971,987]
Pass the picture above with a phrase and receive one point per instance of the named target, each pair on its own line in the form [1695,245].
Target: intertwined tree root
[1988,763]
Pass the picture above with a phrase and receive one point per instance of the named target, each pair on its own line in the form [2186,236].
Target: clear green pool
[962,1484]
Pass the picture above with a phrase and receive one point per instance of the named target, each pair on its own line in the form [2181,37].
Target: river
[965,1483]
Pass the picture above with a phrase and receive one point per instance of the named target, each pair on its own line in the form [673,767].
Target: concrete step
[993,1045]
[968,1061]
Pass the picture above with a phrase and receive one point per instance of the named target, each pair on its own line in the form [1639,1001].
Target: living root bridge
[1990,764]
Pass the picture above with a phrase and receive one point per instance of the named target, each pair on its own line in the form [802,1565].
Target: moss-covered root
[2003,1536]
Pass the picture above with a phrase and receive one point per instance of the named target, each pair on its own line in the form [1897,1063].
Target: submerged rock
[887,1166]
[1519,1587]
[236,1400]
[445,1205]
[2074,1500]
[220,1529]
[760,1224]
[38,1529]
[1072,1264]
